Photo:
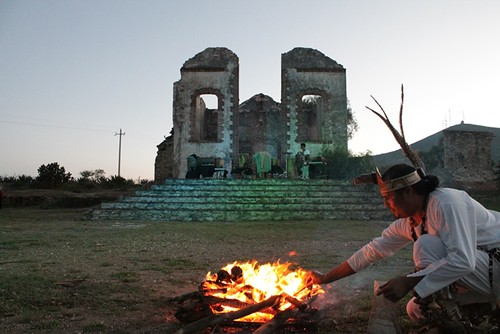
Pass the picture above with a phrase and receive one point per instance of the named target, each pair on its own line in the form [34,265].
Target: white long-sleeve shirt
[458,220]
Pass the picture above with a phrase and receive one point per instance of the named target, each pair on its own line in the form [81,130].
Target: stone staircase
[247,200]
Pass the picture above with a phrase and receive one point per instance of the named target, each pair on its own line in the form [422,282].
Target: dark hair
[423,187]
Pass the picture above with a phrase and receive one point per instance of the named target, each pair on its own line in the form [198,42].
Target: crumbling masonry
[231,133]
[467,157]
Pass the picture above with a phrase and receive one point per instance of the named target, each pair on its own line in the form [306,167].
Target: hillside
[427,143]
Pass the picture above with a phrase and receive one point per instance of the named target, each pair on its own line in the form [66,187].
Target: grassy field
[62,274]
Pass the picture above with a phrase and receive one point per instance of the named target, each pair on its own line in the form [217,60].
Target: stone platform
[247,200]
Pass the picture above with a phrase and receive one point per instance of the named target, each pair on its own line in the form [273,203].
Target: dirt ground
[62,274]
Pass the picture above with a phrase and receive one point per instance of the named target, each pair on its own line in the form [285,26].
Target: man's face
[398,202]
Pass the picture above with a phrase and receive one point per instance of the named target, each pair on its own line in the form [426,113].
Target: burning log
[191,308]
[233,303]
[295,302]
[278,321]
[211,292]
[217,319]
[269,294]
[290,315]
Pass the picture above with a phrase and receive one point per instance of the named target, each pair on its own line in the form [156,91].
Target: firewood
[236,274]
[234,303]
[278,321]
[217,319]
[192,310]
[223,276]
[295,302]
[211,292]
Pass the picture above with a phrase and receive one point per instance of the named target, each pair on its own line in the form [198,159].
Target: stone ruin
[467,159]
[232,133]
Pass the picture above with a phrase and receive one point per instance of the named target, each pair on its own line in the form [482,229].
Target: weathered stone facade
[467,158]
[164,162]
[231,130]
[260,126]
[307,72]
[198,130]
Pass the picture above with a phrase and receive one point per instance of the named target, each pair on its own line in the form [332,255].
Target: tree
[17,182]
[433,158]
[91,179]
[310,103]
[352,123]
[119,182]
[342,165]
[52,176]
[92,176]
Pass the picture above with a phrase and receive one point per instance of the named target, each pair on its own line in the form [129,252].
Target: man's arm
[340,271]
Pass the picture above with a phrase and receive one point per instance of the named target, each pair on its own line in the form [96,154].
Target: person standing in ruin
[302,159]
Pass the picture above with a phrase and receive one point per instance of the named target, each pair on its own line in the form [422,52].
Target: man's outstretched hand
[314,277]
[398,287]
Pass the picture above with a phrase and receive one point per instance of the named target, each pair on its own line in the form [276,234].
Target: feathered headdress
[406,180]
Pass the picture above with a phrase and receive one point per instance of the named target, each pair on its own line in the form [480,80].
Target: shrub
[342,165]
[52,176]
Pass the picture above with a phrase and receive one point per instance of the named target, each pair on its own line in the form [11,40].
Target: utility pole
[120,149]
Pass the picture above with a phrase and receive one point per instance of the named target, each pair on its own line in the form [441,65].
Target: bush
[18,182]
[52,176]
[342,165]
[119,182]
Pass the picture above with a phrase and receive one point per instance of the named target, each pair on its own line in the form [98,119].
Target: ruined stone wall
[265,124]
[164,163]
[214,71]
[260,126]
[467,157]
[305,72]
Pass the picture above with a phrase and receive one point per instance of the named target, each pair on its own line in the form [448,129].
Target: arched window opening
[205,125]
[312,107]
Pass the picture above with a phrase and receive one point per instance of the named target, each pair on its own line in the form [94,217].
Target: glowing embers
[245,295]
[239,285]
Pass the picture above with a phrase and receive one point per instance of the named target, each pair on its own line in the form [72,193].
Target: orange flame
[251,283]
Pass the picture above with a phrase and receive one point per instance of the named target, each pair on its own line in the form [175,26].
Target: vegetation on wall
[342,165]
[310,102]
[433,158]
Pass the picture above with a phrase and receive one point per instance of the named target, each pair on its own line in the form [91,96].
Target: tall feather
[400,138]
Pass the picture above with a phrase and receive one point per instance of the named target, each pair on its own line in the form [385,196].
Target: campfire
[269,296]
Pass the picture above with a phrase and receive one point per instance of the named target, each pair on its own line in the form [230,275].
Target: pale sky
[73,73]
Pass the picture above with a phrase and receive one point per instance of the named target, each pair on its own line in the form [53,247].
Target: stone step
[236,216]
[234,206]
[234,199]
[247,200]
[269,196]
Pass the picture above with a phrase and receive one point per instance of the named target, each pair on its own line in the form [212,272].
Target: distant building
[467,158]
[464,156]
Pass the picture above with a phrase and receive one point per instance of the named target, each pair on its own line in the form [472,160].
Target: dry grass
[61,274]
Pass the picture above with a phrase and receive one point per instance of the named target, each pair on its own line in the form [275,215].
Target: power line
[54,126]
